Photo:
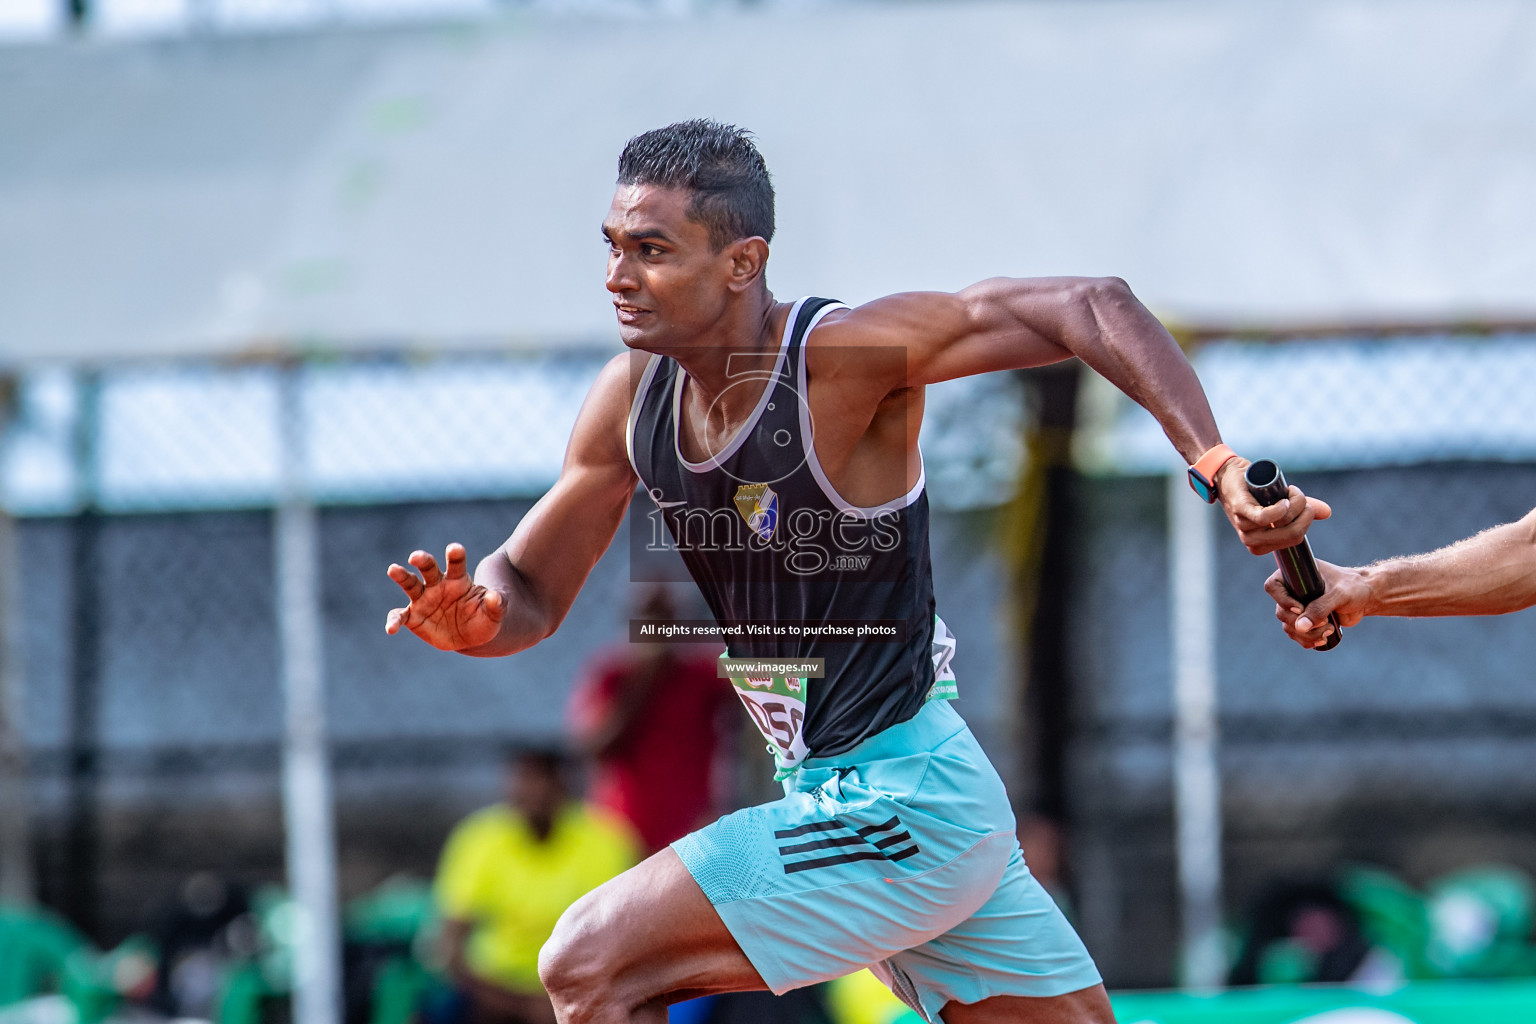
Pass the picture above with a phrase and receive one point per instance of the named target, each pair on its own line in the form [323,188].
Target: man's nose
[619,277]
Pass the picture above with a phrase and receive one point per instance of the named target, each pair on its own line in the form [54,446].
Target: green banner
[1447,1002]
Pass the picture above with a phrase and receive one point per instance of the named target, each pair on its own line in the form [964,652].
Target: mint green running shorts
[900,856]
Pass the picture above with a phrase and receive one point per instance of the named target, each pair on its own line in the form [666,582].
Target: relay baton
[1297,566]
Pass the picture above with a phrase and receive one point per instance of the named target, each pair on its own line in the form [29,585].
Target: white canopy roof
[442,187]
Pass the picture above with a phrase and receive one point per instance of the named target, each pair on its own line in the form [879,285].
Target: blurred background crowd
[290,288]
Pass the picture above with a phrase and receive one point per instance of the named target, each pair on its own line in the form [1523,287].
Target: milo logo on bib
[773,691]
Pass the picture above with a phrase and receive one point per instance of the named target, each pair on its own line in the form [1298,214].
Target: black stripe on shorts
[820,844]
[800,830]
[826,862]
[860,836]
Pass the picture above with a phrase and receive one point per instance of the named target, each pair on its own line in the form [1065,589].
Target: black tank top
[769,542]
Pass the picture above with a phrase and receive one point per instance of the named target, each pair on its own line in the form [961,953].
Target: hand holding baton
[1297,566]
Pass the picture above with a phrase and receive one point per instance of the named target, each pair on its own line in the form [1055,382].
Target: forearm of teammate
[1490,574]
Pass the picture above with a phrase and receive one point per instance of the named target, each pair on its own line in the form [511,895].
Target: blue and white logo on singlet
[759,506]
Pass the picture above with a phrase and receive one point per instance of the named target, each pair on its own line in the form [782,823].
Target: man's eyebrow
[642,235]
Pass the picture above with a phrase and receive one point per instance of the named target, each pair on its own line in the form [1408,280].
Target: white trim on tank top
[634,413]
[716,460]
[809,443]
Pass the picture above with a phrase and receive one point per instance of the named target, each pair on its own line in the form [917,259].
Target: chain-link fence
[149,589]
[1407,750]
[149,653]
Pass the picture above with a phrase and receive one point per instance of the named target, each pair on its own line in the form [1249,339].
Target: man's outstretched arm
[522,591]
[1489,574]
[1015,323]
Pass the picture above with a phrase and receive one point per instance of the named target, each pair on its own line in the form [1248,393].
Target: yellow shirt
[495,874]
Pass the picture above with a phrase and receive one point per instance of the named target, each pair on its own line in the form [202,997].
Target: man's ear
[748,257]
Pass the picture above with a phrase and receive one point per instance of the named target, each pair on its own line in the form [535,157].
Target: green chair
[400,915]
[1393,916]
[1480,923]
[35,949]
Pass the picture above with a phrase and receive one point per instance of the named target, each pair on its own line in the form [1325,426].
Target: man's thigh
[1087,1006]
[1018,946]
[843,872]
[648,934]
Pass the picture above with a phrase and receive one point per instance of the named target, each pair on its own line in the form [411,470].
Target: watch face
[1202,486]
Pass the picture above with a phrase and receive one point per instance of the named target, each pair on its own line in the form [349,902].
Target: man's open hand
[1265,529]
[447,610]
[1348,597]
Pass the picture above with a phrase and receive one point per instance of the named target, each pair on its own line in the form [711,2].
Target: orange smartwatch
[1202,475]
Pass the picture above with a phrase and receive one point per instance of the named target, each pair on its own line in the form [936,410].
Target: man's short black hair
[545,756]
[732,192]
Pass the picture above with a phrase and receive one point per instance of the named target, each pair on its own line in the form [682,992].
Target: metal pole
[1196,777]
[83,839]
[77,14]
[307,812]
[16,886]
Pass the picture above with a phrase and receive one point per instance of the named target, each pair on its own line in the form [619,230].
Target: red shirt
[658,775]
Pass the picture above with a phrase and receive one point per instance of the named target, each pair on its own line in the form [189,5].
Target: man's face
[668,284]
[535,788]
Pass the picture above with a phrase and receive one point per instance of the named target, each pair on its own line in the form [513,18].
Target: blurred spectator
[1370,928]
[1301,932]
[1042,840]
[1480,921]
[506,875]
[647,715]
[199,935]
[861,998]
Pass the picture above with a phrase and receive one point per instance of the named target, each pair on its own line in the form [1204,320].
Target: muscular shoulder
[876,342]
[896,320]
[601,425]
[918,318]
[916,338]
[616,383]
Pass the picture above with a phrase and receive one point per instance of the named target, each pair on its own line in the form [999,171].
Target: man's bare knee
[620,952]
[574,965]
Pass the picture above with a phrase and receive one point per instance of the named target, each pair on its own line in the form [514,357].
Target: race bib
[943,651]
[777,707]
[777,702]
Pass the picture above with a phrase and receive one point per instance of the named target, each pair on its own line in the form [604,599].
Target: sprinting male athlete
[777,442]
